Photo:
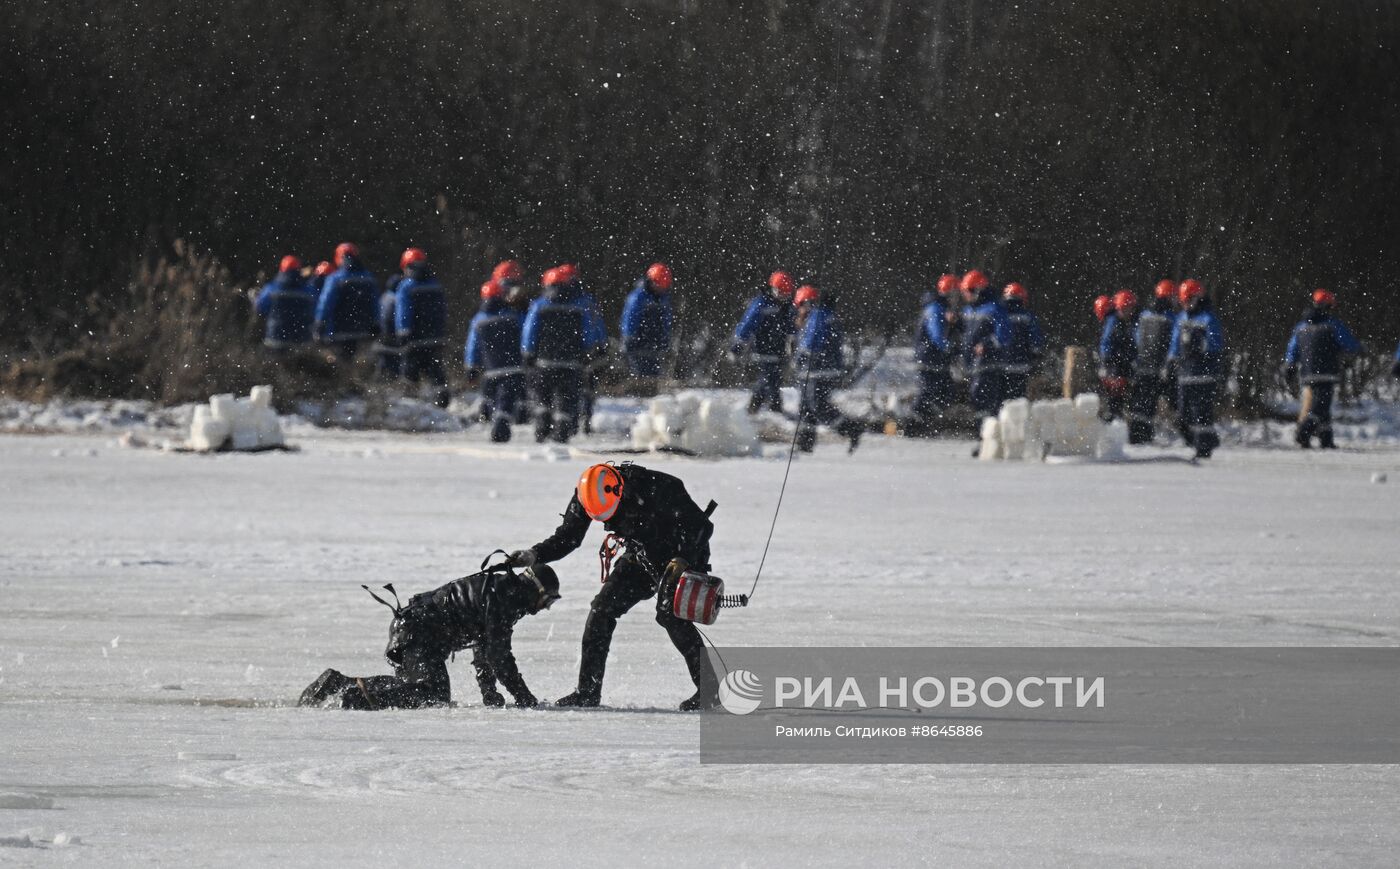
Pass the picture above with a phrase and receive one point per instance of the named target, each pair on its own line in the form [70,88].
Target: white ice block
[261,396]
[222,407]
[991,443]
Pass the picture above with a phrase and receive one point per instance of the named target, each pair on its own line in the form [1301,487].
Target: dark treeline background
[865,145]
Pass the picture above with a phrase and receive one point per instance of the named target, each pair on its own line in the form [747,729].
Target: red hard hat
[782,284]
[1165,289]
[492,289]
[412,257]
[289,264]
[550,278]
[1103,306]
[323,268]
[805,293]
[1324,297]
[946,284]
[659,275]
[600,491]
[1124,299]
[568,273]
[1015,291]
[1190,291]
[508,270]
[343,250]
[973,280]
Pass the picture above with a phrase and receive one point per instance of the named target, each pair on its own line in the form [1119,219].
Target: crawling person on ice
[660,532]
[477,612]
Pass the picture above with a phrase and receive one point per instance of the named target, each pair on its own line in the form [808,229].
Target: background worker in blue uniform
[646,327]
[1316,355]
[493,359]
[986,331]
[1198,353]
[347,313]
[1152,341]
[555,343]
[1118,354]
[286,305]
[420,322]
[595,342]
[1022,353]
[821,363]
[763,334]
[933,354]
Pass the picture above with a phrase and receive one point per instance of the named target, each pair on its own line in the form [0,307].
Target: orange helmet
[492,289]
[782,284]
[1015,291]
[568,272]
[973,281]
[1103,306]
[344,250]
[600,491]
[323,268]
[508,270]
[1124,299]
[1190,291]
[806,293]
[659,275]
[412,257]
[289,264]
[550,278]
[1324,297]
[946,284]
[1165,289]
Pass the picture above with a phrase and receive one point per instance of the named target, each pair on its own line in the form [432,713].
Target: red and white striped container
[697,597]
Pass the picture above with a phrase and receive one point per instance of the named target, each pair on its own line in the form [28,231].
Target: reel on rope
[699,597]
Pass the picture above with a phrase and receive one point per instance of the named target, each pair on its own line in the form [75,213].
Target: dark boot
[755,402]
[699,702]
[500,429]
[806,437]
[593,662]
[1303,436]
[544,421]
[327,685]
[443,399]
[851,430]
[1325,440]
[687,640]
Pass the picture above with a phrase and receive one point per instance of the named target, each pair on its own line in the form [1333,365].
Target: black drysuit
[658,521]
[477,612]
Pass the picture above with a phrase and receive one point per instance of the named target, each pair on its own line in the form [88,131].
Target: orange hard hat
[1165,289]
[782,284]
[805,293]
[568,272]
[550,278]
[1124,299]
[492,289]
[345,249]
[1015,291]
[323,268]
[1190,290]
[412,257]
[1322,297]
[508,270]
[659,275]
[1103,306]
[973,280]
[946,284]
[600,491]
[289,264]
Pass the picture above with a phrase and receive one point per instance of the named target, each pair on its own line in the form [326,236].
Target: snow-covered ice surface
[162,611]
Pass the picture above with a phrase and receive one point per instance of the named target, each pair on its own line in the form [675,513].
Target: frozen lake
[161,612]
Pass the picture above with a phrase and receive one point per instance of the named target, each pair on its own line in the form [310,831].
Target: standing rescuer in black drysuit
[661,533]
[476,612]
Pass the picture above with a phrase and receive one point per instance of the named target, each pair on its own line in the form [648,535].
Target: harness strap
[607,553]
